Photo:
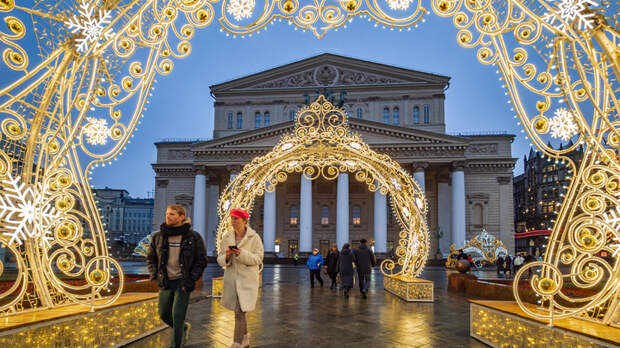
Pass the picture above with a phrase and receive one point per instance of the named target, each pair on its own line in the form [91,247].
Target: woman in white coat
[240,254]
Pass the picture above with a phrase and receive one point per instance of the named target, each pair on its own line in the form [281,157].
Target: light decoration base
[409,289]
[503,324]
[132,317]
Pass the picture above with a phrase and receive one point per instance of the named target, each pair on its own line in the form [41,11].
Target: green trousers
[173,303]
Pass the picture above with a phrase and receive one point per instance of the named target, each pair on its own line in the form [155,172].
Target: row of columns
[206,225]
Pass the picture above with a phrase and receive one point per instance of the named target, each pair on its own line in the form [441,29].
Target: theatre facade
[467,179]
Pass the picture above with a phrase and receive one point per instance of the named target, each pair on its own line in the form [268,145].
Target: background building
[127,220]
[467,178]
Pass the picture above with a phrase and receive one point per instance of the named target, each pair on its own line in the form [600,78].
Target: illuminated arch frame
[321,145]
[47,113]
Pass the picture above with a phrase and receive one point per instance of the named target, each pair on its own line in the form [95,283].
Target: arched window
[291,115]
[324,215]
[257,119]
[416,114]
[360,113]
[230,120]
[395,116]
[386,115]
[267,118]
[477,218]
[239,120]
[427,114]
[357,212]
[293,214]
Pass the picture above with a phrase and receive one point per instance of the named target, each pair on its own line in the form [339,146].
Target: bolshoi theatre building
[467,178]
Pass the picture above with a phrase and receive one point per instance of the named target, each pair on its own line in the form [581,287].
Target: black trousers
[333,277]
[315,273]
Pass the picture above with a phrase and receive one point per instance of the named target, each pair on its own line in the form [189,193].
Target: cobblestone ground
[291,314]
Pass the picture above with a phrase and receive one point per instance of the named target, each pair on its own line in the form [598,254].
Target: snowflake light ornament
[241,8]
[26,212]
[563,124]
[398,4]
[568,11]
[89,24]
[96,131]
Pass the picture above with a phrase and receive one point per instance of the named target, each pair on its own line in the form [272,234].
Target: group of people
[341,265]
[176,259]
[509,265]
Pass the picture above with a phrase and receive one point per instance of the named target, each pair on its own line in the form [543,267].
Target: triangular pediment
[329,70]
[375,134]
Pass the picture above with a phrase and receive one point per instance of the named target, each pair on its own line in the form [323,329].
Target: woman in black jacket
[332,265]
[345,268]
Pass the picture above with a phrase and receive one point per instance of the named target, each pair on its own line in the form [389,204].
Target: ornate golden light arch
[78,106]
[321,145]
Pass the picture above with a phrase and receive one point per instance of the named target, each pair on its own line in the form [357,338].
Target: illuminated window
[293,214]
[356,215]
[324,215]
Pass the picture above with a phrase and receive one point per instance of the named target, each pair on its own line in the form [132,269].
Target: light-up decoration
[569,10]
[96,131]
[563,125]
[483,249]
[90,24]
[44,105]
[321,137]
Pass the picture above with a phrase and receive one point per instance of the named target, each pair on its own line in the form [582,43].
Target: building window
[356,215]
[230,120]
[386,115]
[416,114]
[360,113]
[239,120]
[293,215]
[477,217]
[427,114]
[267,118]
[291,115]
[257,120]
[395,116]
[324,215]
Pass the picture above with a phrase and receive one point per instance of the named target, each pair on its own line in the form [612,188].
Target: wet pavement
[291,314]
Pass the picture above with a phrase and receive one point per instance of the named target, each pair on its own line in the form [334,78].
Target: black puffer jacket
[193,258]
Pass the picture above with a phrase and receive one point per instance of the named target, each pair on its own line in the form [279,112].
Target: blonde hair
[178,208]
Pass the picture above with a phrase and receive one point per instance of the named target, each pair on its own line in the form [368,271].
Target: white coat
[241,271]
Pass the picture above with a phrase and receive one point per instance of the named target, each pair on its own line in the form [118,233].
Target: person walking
[332,265]
[176,259]
[346,258]
[518,262]
[315,261]
[508,265]
[365,260]
[240,254]
[500,264]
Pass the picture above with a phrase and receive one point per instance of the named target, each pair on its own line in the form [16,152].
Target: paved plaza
[291,314]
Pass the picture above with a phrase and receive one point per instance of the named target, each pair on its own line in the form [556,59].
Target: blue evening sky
[181,106]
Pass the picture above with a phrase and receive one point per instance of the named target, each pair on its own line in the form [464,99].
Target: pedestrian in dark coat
[500,264]
[332,265]
[508,265]
[365,261]
[345,268]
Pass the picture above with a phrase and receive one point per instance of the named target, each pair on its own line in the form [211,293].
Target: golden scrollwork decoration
[484,249]
[321,145]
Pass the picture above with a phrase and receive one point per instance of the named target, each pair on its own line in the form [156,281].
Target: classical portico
[463,177]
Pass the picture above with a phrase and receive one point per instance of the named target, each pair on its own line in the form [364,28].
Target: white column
[342,211]
[444,208]
[458,206]
[269,222]
[213,219]
[199,223]
[418,174]
[305,216]
[380,222]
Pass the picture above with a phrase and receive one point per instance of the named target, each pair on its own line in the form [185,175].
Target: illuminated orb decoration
[321,145]
[483,248]
[73,102]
